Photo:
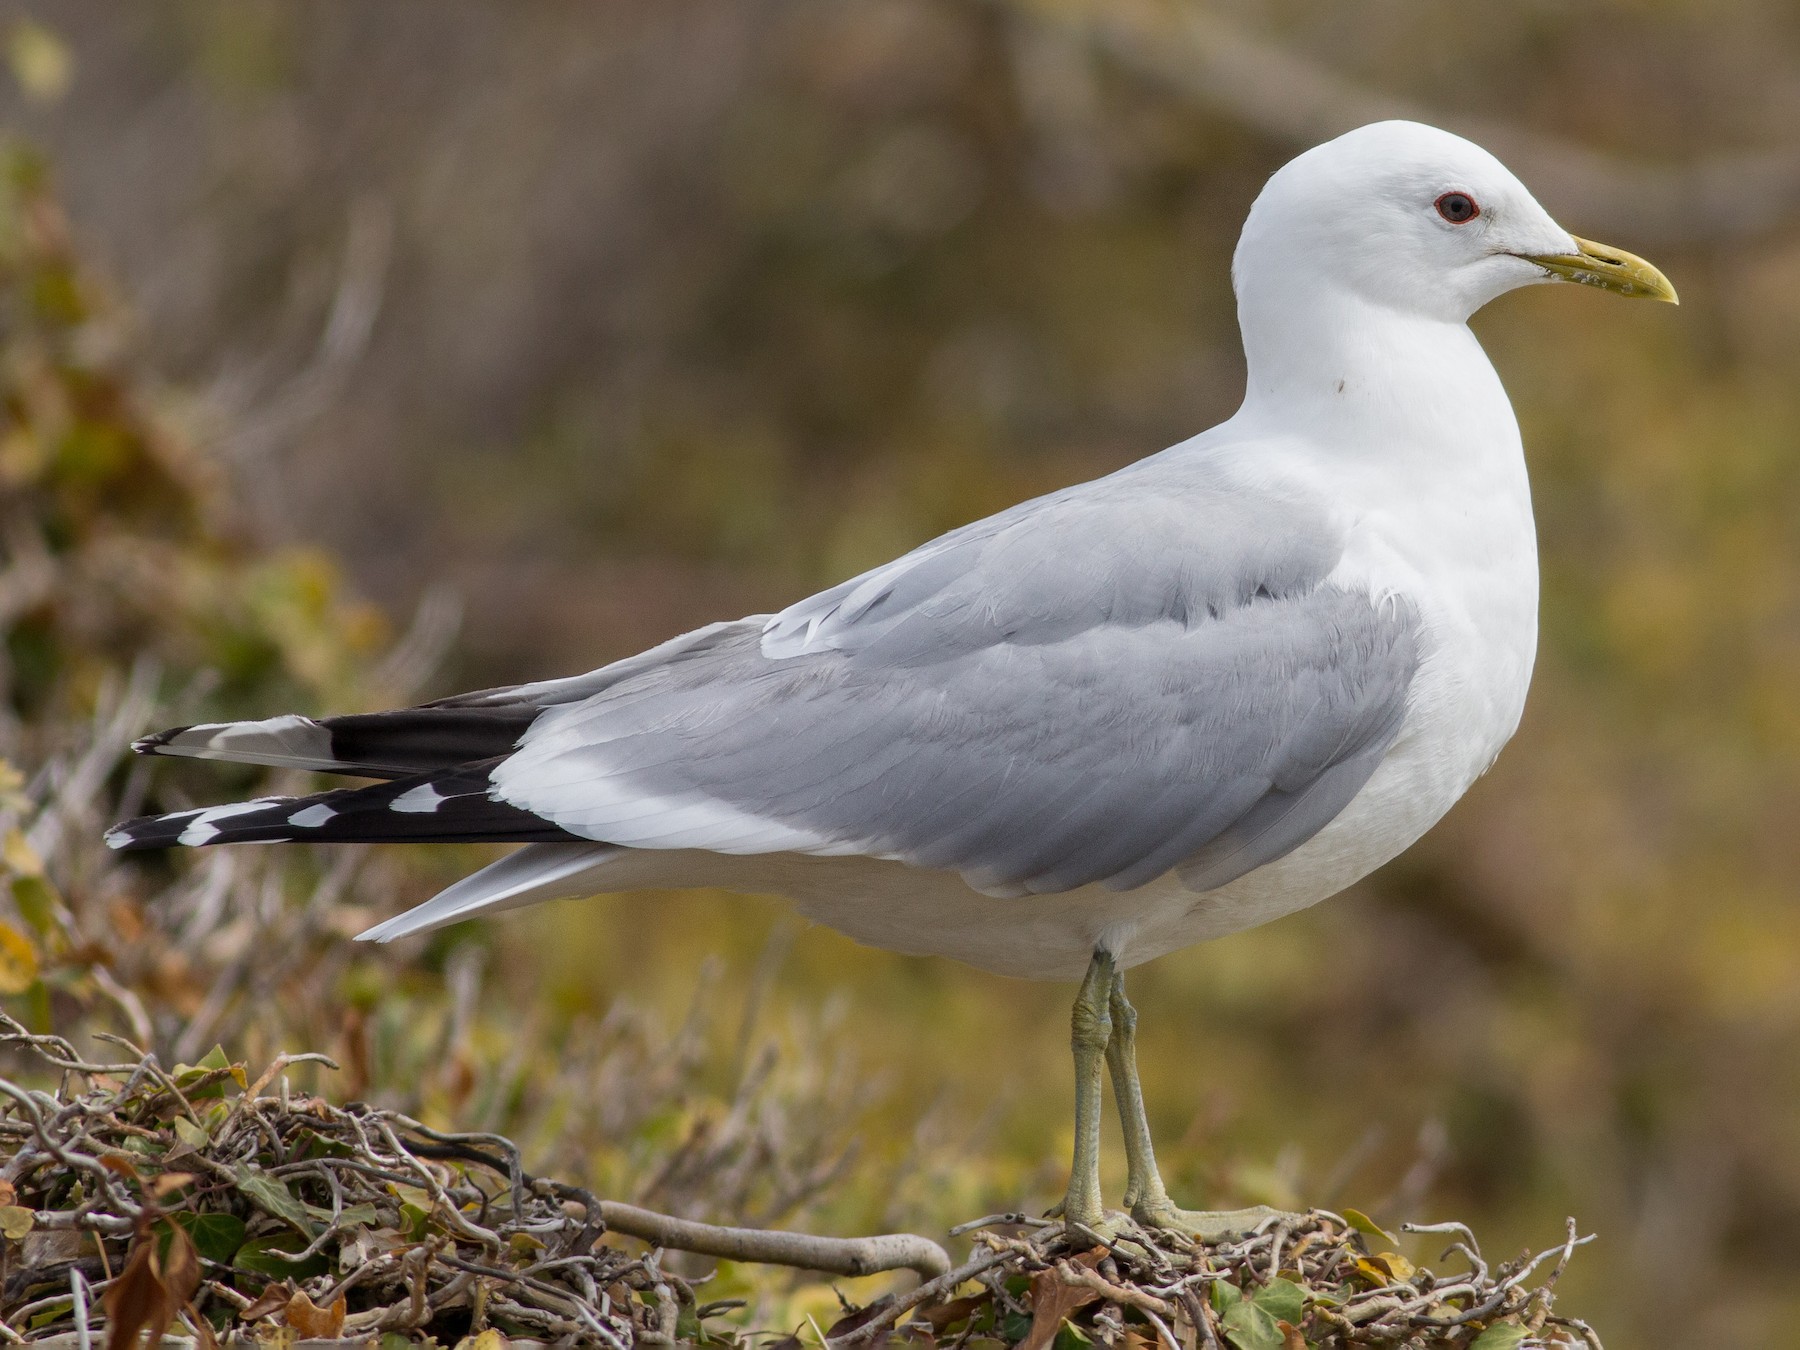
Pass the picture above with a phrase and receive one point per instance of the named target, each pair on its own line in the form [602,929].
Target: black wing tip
[143,834]
[442,808]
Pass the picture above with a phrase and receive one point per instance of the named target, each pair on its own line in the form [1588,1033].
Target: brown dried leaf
[179,1268]
[852,1321]
[313,1322]
[1052,1301]
[171,1181]
[272,1300]
[8,1195]
[1291,1339]
[941,1315]
[138,1299]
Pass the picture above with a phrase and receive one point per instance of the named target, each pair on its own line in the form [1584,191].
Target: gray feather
[1096,687]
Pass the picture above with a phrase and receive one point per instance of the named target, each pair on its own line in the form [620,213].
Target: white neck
[1313,349]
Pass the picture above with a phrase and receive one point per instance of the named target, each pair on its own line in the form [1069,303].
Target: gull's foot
[1208,1225]
[1109,1225]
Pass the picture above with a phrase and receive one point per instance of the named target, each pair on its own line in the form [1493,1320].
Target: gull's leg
[1090,1028]
[1145,1195]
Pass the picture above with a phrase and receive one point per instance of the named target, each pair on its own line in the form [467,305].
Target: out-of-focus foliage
[621,318]
[130,596]
[118,545]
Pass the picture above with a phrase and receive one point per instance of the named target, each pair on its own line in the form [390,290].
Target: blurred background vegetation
[326,324]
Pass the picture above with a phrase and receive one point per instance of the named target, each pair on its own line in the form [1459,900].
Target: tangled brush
[138,1198]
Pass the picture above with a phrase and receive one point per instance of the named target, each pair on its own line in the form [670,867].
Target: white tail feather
[534,873]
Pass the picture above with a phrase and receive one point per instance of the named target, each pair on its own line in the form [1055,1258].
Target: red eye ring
[1459,208]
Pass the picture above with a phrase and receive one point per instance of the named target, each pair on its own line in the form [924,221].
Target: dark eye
[1457,207]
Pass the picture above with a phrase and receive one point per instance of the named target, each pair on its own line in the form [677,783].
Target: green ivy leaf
[206,1080]
[416,1206]
[353,1216]
[315,1145]
[1248,1326]
[50,1314]
[1282,1299]
[1500,1336]
[216,1237]
[270,1196]
[265,1256]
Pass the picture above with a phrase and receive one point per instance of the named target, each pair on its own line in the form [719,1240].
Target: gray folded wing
[1149,672]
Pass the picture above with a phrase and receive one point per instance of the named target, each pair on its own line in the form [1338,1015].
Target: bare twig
[835,1256]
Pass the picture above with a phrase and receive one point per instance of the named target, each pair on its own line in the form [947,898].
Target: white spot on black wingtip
[312,816]
[117,838]
[424,797]
[203,830]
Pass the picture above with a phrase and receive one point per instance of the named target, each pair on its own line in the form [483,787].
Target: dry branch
[133,1195]
[358,1219]
[833,1256]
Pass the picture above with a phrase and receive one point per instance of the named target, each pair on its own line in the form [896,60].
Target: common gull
[1203,692]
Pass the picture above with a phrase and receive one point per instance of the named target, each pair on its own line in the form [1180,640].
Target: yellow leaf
[487,1340]
[37,902]
[18,961]
[16,1221]
[1397,1265]
[19,856]
[1372,1270]
[40,61]
[1363,1224]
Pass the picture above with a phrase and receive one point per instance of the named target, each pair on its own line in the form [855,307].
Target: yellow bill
[1611,269]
